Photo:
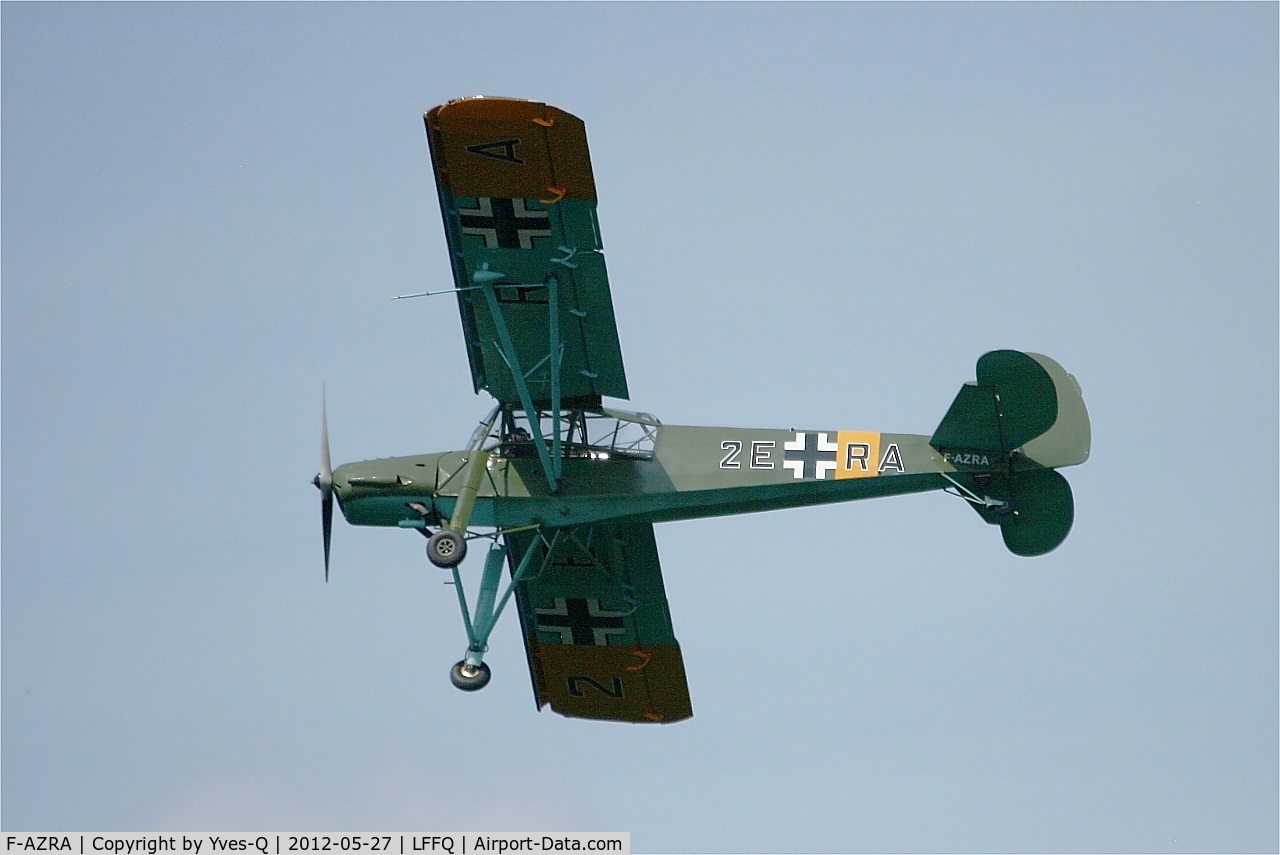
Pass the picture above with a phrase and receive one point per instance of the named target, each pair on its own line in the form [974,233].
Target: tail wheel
[446,548]
[470,679]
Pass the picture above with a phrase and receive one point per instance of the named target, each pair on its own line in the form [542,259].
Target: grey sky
[814,216]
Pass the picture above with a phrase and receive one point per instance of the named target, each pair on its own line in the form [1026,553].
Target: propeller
[324,481]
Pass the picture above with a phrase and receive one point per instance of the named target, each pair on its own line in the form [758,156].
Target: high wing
[519,206]
[597,629]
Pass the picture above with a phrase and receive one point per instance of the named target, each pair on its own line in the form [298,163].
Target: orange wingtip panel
[507,148]
[635,683]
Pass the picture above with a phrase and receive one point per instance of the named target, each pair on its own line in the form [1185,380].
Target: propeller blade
[326,520]
[324,481]
[326,468]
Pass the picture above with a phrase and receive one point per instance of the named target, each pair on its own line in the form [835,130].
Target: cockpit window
[590,434]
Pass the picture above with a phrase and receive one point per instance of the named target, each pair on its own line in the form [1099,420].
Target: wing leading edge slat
[597,627]
[519,205]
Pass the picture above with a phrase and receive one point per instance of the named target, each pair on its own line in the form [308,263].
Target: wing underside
[519,205]
[596,624]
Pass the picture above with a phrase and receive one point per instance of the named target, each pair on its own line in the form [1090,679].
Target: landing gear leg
[472,674]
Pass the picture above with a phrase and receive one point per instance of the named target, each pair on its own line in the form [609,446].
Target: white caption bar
[275,843]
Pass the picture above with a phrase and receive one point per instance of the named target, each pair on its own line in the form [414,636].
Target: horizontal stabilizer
[1043,512]
[1037,510]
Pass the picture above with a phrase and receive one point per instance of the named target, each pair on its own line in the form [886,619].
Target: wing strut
[555,354]
[550,458]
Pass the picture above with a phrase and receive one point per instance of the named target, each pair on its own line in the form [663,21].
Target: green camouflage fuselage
[691,472]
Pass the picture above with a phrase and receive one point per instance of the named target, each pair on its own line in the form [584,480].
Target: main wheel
[446,548]
[470,679]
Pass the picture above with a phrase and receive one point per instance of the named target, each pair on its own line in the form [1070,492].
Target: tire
[470,682]
[446,549]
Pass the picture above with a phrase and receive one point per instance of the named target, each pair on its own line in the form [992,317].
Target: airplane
[566,489]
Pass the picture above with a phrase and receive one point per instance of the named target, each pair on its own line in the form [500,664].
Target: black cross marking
[580,621]
[508,148]
[809,457]
[504,223]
